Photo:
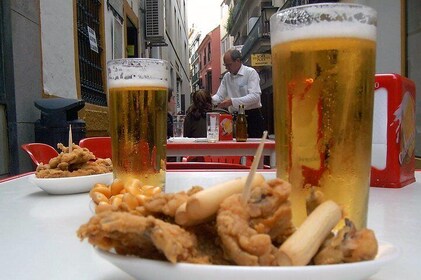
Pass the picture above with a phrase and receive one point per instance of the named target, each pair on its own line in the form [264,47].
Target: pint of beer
[323,61]
[137,102]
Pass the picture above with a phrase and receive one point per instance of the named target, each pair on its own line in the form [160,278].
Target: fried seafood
[79,162]
[348,245]
[247,231]
[208,243]
[168,203]
[256,232]
[203,206]
[132,196]
[142,236]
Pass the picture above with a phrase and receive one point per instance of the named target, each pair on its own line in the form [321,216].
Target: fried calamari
[141,236]
[249,232]
[240,233]
[348,245]
[79,162]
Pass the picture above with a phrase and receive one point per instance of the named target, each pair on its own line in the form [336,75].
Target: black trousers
[255,123]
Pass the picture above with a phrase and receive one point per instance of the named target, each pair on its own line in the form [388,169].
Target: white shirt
[243,88]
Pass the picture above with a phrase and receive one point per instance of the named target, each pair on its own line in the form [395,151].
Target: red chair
[99,146]
[39,152]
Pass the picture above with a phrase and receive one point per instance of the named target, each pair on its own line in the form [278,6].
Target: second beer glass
[137,102]
[323,61]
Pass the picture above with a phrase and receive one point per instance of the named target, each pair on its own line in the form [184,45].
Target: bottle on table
[241,125]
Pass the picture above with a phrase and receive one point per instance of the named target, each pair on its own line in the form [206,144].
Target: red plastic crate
[225,127]
[393,158]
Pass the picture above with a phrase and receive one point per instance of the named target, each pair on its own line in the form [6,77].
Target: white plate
[157,270]
[201,140]
[70,185]
[181,139]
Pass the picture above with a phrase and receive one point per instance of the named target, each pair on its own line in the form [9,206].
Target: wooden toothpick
[70,139]
[256,160]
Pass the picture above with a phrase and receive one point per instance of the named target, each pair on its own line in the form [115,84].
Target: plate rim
[388,253]
[63,190]
[33,177]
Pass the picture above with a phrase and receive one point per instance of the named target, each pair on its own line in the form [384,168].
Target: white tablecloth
[38,231]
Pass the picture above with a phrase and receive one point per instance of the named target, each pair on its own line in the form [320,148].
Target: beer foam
[354,26]
[137,73]
[129,83]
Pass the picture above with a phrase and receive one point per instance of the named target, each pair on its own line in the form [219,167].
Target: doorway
[3,123]
[8,131]
[132,48]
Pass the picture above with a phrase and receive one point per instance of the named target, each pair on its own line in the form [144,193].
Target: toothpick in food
[256,160]
[70,138]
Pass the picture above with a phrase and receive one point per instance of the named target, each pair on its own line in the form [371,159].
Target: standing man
[241,85]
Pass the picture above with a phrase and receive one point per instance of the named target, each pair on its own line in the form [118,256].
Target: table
[222,148]
[38,231]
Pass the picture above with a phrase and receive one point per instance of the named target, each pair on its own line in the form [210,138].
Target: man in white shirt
[241,85]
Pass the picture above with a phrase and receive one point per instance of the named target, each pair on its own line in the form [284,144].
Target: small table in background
[221,148]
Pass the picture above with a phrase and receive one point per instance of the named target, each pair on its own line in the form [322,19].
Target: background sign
[92,39]
[261,59]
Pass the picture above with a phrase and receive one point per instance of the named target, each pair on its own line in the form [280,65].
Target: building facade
[248,24]
[59,49]
[194,42]
[227,7]
[46,52]
[209,52]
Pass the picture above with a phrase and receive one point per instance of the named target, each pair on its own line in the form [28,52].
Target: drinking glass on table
[212,127]
[323,62]
[178,125]
[137,102]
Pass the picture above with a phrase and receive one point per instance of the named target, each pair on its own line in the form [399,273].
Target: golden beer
[323,96]
[138,128]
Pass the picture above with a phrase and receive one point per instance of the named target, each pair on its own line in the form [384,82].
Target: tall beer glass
[323,61]
[137,102]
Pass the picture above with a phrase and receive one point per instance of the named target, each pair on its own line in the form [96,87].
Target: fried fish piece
[146,237]
[348,245]
[247,231]
[168,203]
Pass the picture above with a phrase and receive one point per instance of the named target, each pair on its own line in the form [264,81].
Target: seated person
[195,121]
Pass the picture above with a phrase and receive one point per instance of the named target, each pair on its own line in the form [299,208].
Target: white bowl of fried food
[70,185]
[220,233]
[74,171]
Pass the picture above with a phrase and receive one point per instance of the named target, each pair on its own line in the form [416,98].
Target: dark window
[209,51]
[132,45]
[209,82]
